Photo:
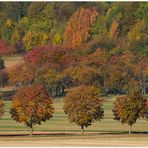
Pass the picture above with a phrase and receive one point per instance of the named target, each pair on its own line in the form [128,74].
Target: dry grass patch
[11,61]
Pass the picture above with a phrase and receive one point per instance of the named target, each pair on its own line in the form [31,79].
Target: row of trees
[59,68]
[83,105]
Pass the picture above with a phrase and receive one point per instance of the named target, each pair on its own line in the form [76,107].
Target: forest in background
[67,44]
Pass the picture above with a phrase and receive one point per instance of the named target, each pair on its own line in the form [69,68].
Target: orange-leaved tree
[128,109]
[79,26]
[83,106]
[32,105]
[21,75]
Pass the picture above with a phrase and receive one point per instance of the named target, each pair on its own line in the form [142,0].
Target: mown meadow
[60,122]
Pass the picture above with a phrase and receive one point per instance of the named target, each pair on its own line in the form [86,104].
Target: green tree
[7,29]
[18,33]
[15,10]
[83,106]
[114,13]
[142,11]
[32,39]
[137,33]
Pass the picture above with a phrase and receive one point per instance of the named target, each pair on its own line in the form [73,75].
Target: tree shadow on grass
[61,134]
[36,134]
[123,133]
[140,132]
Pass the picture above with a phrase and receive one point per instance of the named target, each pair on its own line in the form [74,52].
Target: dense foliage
[74,43]
[32,105]
[120,26]
[128,109]
[83,106]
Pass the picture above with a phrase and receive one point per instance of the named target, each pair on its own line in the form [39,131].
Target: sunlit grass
[11,61]
[60,123]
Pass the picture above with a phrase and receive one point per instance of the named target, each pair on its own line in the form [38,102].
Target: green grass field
[60,123]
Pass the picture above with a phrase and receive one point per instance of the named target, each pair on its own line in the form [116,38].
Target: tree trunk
[130,129]
[106,92]
[50,91]
[63,89]
[82,129]
[57,91]
[31,131]
[144,88]
[31,127]
[1,84]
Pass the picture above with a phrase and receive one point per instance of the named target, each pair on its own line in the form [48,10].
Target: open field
[59,132]
[11,61]
[76,140]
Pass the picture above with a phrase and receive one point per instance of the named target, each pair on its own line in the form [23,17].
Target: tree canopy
[83,106]
[128,109]
[32,105]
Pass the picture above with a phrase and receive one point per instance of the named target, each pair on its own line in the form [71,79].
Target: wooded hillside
[66,44]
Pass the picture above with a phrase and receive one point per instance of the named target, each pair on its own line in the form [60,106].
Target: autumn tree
[32,105]
[78,29]
[51,79]
[81,75]
[114,30]
[2,108]
[127,109]
[32,39]
[56,57]
[8,29]
[21,75]
[140,70]
[83,106]
[99,62]
[114,13]
[5,49]
[54,82]
[138,33]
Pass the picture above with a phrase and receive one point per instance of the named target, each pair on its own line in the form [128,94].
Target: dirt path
[73,139]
